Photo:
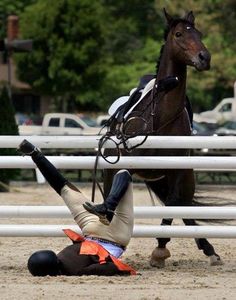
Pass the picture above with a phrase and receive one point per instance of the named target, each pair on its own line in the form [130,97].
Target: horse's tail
[207,201]
[202,197]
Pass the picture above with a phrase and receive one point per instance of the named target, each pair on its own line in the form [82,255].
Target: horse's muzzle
[203,61]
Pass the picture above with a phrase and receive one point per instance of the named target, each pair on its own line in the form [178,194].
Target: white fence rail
[144,231]
[140,212]
[87,162]
[128,162]
[159,142]
[33,230]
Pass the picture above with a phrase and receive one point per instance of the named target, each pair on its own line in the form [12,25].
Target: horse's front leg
[160,253]
[179,190]
[205,246]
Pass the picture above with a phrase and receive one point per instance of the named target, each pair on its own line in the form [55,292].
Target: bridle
[158,91]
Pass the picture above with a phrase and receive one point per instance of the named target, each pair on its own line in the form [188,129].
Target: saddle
[123,106]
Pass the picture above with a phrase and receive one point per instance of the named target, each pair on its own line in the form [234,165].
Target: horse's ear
[190,17]
[169,19]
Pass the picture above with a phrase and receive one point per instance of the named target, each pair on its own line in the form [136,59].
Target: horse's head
[184,42]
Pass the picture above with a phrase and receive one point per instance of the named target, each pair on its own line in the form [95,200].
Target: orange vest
[92,248]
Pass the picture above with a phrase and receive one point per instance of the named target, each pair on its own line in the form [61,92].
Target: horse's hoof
[215,260]
[158,257]
[159,263]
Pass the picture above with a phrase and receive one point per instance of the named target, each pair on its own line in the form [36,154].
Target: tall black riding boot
[105,211]
[54,178]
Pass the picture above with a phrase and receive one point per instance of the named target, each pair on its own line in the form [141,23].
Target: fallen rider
[106,228]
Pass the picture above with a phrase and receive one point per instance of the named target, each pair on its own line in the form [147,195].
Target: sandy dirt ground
[187,274]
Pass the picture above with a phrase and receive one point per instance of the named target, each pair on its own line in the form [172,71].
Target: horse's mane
[159,59]
[166,32]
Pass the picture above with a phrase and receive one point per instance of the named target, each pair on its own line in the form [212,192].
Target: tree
[81,46]
[131,45]
[65,62]
[91,52]
[10,7]
[7,127]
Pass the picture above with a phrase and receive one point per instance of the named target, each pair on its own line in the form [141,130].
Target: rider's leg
[73,198]
[89,223]
[105,211]
[54,178]
[120,228]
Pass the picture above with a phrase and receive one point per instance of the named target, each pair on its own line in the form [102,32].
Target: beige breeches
[119,230]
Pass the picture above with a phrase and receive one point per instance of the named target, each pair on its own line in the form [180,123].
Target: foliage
[7,127]
[90,52]
[67,49]
[10,7]
[131,46]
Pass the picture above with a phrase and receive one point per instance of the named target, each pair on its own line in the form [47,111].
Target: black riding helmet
[43,263]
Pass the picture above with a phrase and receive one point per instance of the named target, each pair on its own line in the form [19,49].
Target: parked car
[229,128]
[60,124]
[202,129]
[224,111]
[88,120]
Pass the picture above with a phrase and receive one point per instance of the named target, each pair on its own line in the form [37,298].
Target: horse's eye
[178,34]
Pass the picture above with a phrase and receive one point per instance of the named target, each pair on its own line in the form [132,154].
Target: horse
[166,114]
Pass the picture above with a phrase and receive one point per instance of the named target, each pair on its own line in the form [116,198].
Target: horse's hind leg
[205,246]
